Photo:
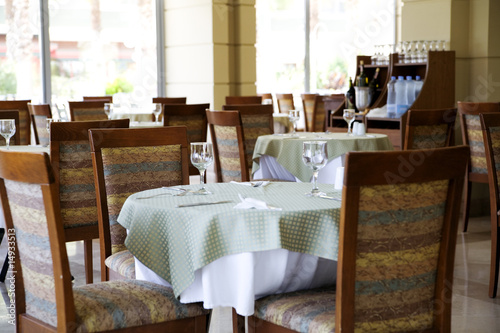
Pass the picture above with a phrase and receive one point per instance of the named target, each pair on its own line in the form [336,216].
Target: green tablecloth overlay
[288,150]
[175,242]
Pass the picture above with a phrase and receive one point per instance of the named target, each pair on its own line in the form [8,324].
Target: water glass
[315,156]
[202,157]
[7,129]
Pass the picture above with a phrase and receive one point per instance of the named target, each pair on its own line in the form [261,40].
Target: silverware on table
[203,203]
[330,198]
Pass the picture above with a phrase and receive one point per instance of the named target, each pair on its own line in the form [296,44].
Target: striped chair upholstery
[40,122]
[76,184]
[89,114]
[229,158]
[426,137]
[478,158]
[285,102]
[32,237]
[123,263]
[309,112]
[319,115]
[128,170]
[254,126]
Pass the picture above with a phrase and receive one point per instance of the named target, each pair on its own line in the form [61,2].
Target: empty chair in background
[243,100]
[314,111]
[226,130]
[285,102]
[194,117]
[87,111]
[16,138]
[72,164]
[426,129]
[39,115]
[24,126]
[168,100]
[471,134]
[108,99]
[46,301]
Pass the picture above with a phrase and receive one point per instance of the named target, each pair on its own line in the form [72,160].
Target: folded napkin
[252,203]
[257,183]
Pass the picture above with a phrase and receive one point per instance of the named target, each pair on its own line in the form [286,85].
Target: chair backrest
[243,100]
[170,100]
[43,288]
[285,102]
[426,129]
[332,104]
[257,120]
[471,134]
[39,114]
[265,96]
[314,111]
[12,114]
[194,117]
[127,161]
[490,125]
[24,118]
[87,111]
[398,230]
[226,130]
[108,99]
[72,163]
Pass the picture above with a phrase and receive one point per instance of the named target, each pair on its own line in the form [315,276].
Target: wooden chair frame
[12,114]
[187,110]
[78,131]
[317,99]
[22,107]
[36,168]
[470,108]
[93,104]
[108,99]
[129,137]
[440,164]
[434,117]
[228,118]
[230,100]
[38,110]
[489,120]
[280,98]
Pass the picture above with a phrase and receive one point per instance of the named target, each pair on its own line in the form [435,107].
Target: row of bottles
[367,91]
[401,94]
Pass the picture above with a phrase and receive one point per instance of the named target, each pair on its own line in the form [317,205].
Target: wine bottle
[362,78]
[373,86]
[350,96]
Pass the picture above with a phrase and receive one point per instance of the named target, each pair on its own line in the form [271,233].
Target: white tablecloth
[252,273]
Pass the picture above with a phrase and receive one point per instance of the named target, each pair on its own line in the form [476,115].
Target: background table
[178,244]
[282,154]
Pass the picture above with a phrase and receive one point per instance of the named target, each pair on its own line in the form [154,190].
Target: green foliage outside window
[119,85]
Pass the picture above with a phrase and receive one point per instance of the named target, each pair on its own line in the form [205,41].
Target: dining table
[242,242]
[279,156]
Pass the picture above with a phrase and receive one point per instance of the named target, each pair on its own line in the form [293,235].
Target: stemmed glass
[47,125]
[7,129]
[294,116]
[349,115]
[108,110]
[315,156]
[156,111]
[202,157]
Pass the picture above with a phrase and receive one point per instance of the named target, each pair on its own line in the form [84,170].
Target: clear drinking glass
[294,116]
[315,156]
[7,129]
[108,109]
[156,111]
[47,125]
[202,157]
[349,115]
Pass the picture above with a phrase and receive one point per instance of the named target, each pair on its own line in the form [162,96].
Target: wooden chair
[127,161]
[332,104]
[168,100]
[266,96]
[426,129]
[39,115]
[226,130]
[396,250]
[243,100]
[16,139]
[471,134]
[490,125]
[194,117]
[314,111]
[285,102]
[72,164]
[87,111]
[24,118]
[107,99]
[46,301]
[257,120]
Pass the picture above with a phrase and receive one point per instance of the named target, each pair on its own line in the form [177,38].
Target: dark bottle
[373,86]
[362,78]
[350,96]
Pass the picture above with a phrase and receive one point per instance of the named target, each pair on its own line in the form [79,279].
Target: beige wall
[210,49]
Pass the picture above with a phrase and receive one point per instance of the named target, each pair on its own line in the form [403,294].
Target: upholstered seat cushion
[122,263]
[119,304]
[302,311]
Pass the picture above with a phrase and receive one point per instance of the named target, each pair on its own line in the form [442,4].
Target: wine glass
[47,125]
[156,111]
[202,157]
[314,155]
[108,110]
[7,129]
[349,115]
[294,116]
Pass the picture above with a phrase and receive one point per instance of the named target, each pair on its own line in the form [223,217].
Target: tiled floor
[473,311]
